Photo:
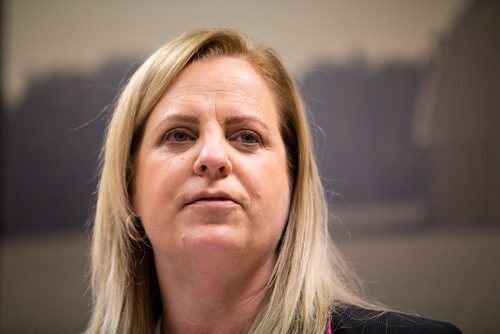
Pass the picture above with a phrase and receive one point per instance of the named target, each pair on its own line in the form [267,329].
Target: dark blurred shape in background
[364,117]
[459,121]
[403,147]
[54,139]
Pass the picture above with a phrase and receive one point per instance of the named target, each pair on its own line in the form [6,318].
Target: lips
[208,198]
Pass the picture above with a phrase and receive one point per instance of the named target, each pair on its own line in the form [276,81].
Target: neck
[212,297]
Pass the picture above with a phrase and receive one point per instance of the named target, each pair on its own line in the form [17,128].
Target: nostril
[212,166]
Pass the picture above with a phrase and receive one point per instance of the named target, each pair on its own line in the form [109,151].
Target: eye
[178,136]
[247,138]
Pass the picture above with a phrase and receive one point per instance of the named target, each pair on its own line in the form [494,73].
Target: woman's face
[211,171]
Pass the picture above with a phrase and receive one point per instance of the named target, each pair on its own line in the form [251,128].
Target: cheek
[278,176]
[276,204]
[271,188]
[154,184]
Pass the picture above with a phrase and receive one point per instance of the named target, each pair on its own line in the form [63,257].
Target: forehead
[222,82]
[220,72]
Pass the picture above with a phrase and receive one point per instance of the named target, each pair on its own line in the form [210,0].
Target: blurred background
[404,98]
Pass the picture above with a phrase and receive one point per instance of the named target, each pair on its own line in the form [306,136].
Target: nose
[213,160]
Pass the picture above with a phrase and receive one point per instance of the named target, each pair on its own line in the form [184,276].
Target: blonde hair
[310,277]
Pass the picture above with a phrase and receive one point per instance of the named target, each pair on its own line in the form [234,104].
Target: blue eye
[178,136]
[249,138]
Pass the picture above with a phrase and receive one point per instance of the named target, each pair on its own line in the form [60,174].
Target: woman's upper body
[210,212]
[212,191]
[350,319]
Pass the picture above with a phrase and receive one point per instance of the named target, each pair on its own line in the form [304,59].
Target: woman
[210,214]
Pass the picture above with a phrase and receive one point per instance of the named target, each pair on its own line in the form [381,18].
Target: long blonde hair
[310,276]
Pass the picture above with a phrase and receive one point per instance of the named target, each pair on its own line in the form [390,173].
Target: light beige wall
[40,36]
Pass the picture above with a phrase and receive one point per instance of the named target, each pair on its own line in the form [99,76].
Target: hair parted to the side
[310,276]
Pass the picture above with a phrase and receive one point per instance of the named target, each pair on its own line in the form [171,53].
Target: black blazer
[350,319]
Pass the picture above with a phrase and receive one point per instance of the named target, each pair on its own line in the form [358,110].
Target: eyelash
[255,137]
[174,132]
[188,136]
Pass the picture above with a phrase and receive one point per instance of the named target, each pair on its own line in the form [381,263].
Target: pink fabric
[329,325]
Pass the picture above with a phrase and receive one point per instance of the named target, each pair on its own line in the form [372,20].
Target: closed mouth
[201,198]
[214,199]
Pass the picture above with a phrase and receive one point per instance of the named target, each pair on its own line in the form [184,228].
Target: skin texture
[212,190]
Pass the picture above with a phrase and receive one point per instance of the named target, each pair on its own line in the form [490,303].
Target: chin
[214,239]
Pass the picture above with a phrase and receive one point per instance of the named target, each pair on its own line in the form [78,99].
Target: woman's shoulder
[350,319]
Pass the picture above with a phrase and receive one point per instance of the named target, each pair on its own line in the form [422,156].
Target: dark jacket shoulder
[349,319]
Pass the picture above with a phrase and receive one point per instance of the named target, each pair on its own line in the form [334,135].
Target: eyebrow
[236,120]
[176,118]
[230,120]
